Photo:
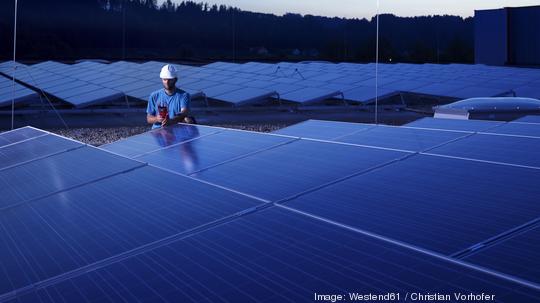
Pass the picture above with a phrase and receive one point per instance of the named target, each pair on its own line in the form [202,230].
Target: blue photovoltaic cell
[293,168]
[87,224]
[520,129]
[517,256]
[158,139]
[529,119]
[506,149]
[411,139]
[198,154]
[20,134]
[452,124]
[440,204]
[61,171]
[34,148]
[275,256]
[324,130]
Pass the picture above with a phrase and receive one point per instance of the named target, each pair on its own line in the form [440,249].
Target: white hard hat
[168,72]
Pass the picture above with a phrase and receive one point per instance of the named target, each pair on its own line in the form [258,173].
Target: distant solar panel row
[61,81]
[99,227]
[356,81]
[14,92]
[295,82]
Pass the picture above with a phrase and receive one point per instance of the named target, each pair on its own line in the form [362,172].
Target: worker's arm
[151,119]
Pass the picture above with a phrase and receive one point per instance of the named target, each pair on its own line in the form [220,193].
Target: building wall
[524,35]
[490,37]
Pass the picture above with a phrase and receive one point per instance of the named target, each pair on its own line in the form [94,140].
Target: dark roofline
[507,8]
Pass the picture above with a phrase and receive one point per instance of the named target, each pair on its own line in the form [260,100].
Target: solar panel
[46,176]
[77,92]
[100,96]
[320,129]
[273,256]
[207,151]
[438,89]
[20,134]
[310,95]
[365,94]
[158,139]
[517,256]
[293,168]
[531,91]
[32,149]
[452,124]
[478,91]
[505,149]
[528,119]
[440,204]
[411,139]
[518,129]
[10,92]
[220,89]
[246,95]
[406,85]
[98,221]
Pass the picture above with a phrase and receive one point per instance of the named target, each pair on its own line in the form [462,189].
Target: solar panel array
[62,81]
[472,167]
[213,214]
[14,92]
[300,83]
[468,173]
[356,81]
[86,225]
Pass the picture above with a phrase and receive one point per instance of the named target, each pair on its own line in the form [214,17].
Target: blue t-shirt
[175,103]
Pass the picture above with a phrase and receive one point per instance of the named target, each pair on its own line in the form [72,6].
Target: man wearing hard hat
[169,105]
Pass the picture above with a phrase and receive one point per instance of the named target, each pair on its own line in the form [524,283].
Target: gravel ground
[100,136]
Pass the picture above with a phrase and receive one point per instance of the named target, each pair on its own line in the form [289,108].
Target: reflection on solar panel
[158,139]
[214,149]
[261,217]
[272,256]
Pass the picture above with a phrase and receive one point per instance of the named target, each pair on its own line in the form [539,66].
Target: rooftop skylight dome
[496,104]
[497,108]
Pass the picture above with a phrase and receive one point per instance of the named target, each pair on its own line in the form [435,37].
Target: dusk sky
[367,8]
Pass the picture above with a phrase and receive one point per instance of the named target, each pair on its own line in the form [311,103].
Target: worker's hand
[165,121]
[159,119]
